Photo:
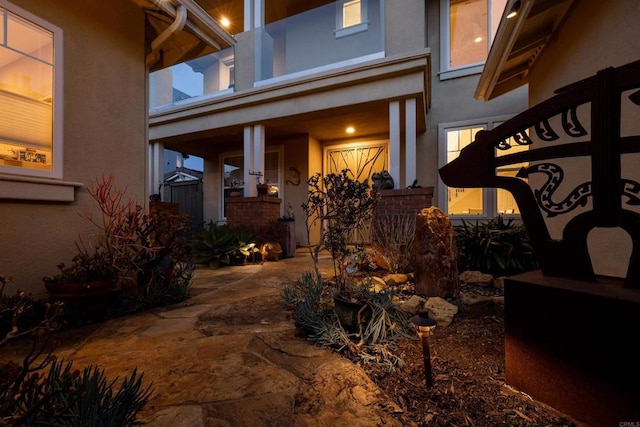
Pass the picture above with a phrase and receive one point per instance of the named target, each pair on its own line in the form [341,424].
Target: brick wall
[404,200]
[251,213]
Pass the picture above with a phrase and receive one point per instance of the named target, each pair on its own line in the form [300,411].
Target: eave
[200,35]
[518,43]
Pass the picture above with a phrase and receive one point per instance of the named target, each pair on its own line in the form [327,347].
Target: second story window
[29,94]
[351,14]
[467,31]
[351,17]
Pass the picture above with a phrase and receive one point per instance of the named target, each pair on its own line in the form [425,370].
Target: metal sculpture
[609,195]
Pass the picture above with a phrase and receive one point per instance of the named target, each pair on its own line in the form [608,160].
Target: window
[351,17]
[486,203]
[30,108]
[468,28]
[351,13]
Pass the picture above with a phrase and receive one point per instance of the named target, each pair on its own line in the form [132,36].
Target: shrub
[314,313]
[393,235]
[215,244]
[67,397]
[496,247]
[342,206]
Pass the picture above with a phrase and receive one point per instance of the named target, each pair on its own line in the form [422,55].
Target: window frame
[489,195]
[57,148]
[447,72]
[342,31]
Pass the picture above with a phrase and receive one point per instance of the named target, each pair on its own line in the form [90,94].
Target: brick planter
[404,200]
[251,213]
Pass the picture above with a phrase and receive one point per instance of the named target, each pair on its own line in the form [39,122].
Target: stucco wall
[104,132]
[404,26]
[596,35]
[296,153]
[453,101]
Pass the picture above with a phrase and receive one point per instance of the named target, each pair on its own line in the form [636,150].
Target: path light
[424,324]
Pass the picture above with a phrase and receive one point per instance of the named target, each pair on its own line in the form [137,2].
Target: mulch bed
[469,384]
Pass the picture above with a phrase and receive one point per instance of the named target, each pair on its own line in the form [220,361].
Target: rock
[412,305]
[441,311]
[475,306]
[395,279]
[375,284]
[476,278]
[434,255]
[498,283]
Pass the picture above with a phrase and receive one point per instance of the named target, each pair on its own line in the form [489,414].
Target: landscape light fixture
[424,324]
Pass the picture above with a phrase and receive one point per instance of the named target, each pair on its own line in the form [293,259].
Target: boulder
[395,279]
[476,306]
[476,278]
[441,310]
[412,305]
[434,255]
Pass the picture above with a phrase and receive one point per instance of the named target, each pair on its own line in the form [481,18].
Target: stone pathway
[230,356]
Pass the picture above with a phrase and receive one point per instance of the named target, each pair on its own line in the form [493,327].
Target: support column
[248,14]
[258,153]
[156,167]
[249,155]
[258,17]
[410,142]
[394,141]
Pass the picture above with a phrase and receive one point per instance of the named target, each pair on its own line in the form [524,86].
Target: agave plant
[496,246]
[213,245]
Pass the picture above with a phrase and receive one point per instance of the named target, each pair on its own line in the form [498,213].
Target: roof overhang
[199,35]
[518,43]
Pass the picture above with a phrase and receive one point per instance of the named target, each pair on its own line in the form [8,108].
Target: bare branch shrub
[393,234]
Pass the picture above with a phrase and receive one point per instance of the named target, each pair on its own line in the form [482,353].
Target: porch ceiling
[368,120]
[519,42]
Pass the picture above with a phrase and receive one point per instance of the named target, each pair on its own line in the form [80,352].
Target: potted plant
[341,206]
[131,249]
[235,188]
[262,188]
[87,273]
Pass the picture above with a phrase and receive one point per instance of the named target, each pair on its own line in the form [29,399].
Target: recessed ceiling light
[478,39]
[225,22]
[350,129]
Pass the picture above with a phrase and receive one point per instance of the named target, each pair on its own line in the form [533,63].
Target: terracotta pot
[262,189]
[78,288]
[89,301]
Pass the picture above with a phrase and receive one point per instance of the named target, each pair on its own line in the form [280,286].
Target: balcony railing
[314,41]
[302,44]
[210,75]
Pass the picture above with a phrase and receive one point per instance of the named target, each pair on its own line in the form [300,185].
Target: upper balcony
[334,35]
[318,40]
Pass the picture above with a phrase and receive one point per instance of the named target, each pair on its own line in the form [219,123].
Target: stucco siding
[104,132]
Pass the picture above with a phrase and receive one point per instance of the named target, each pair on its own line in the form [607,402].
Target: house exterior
[275,93]
[73,106]
[278,106]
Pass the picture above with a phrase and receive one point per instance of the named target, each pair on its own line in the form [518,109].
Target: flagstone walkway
[230,356]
